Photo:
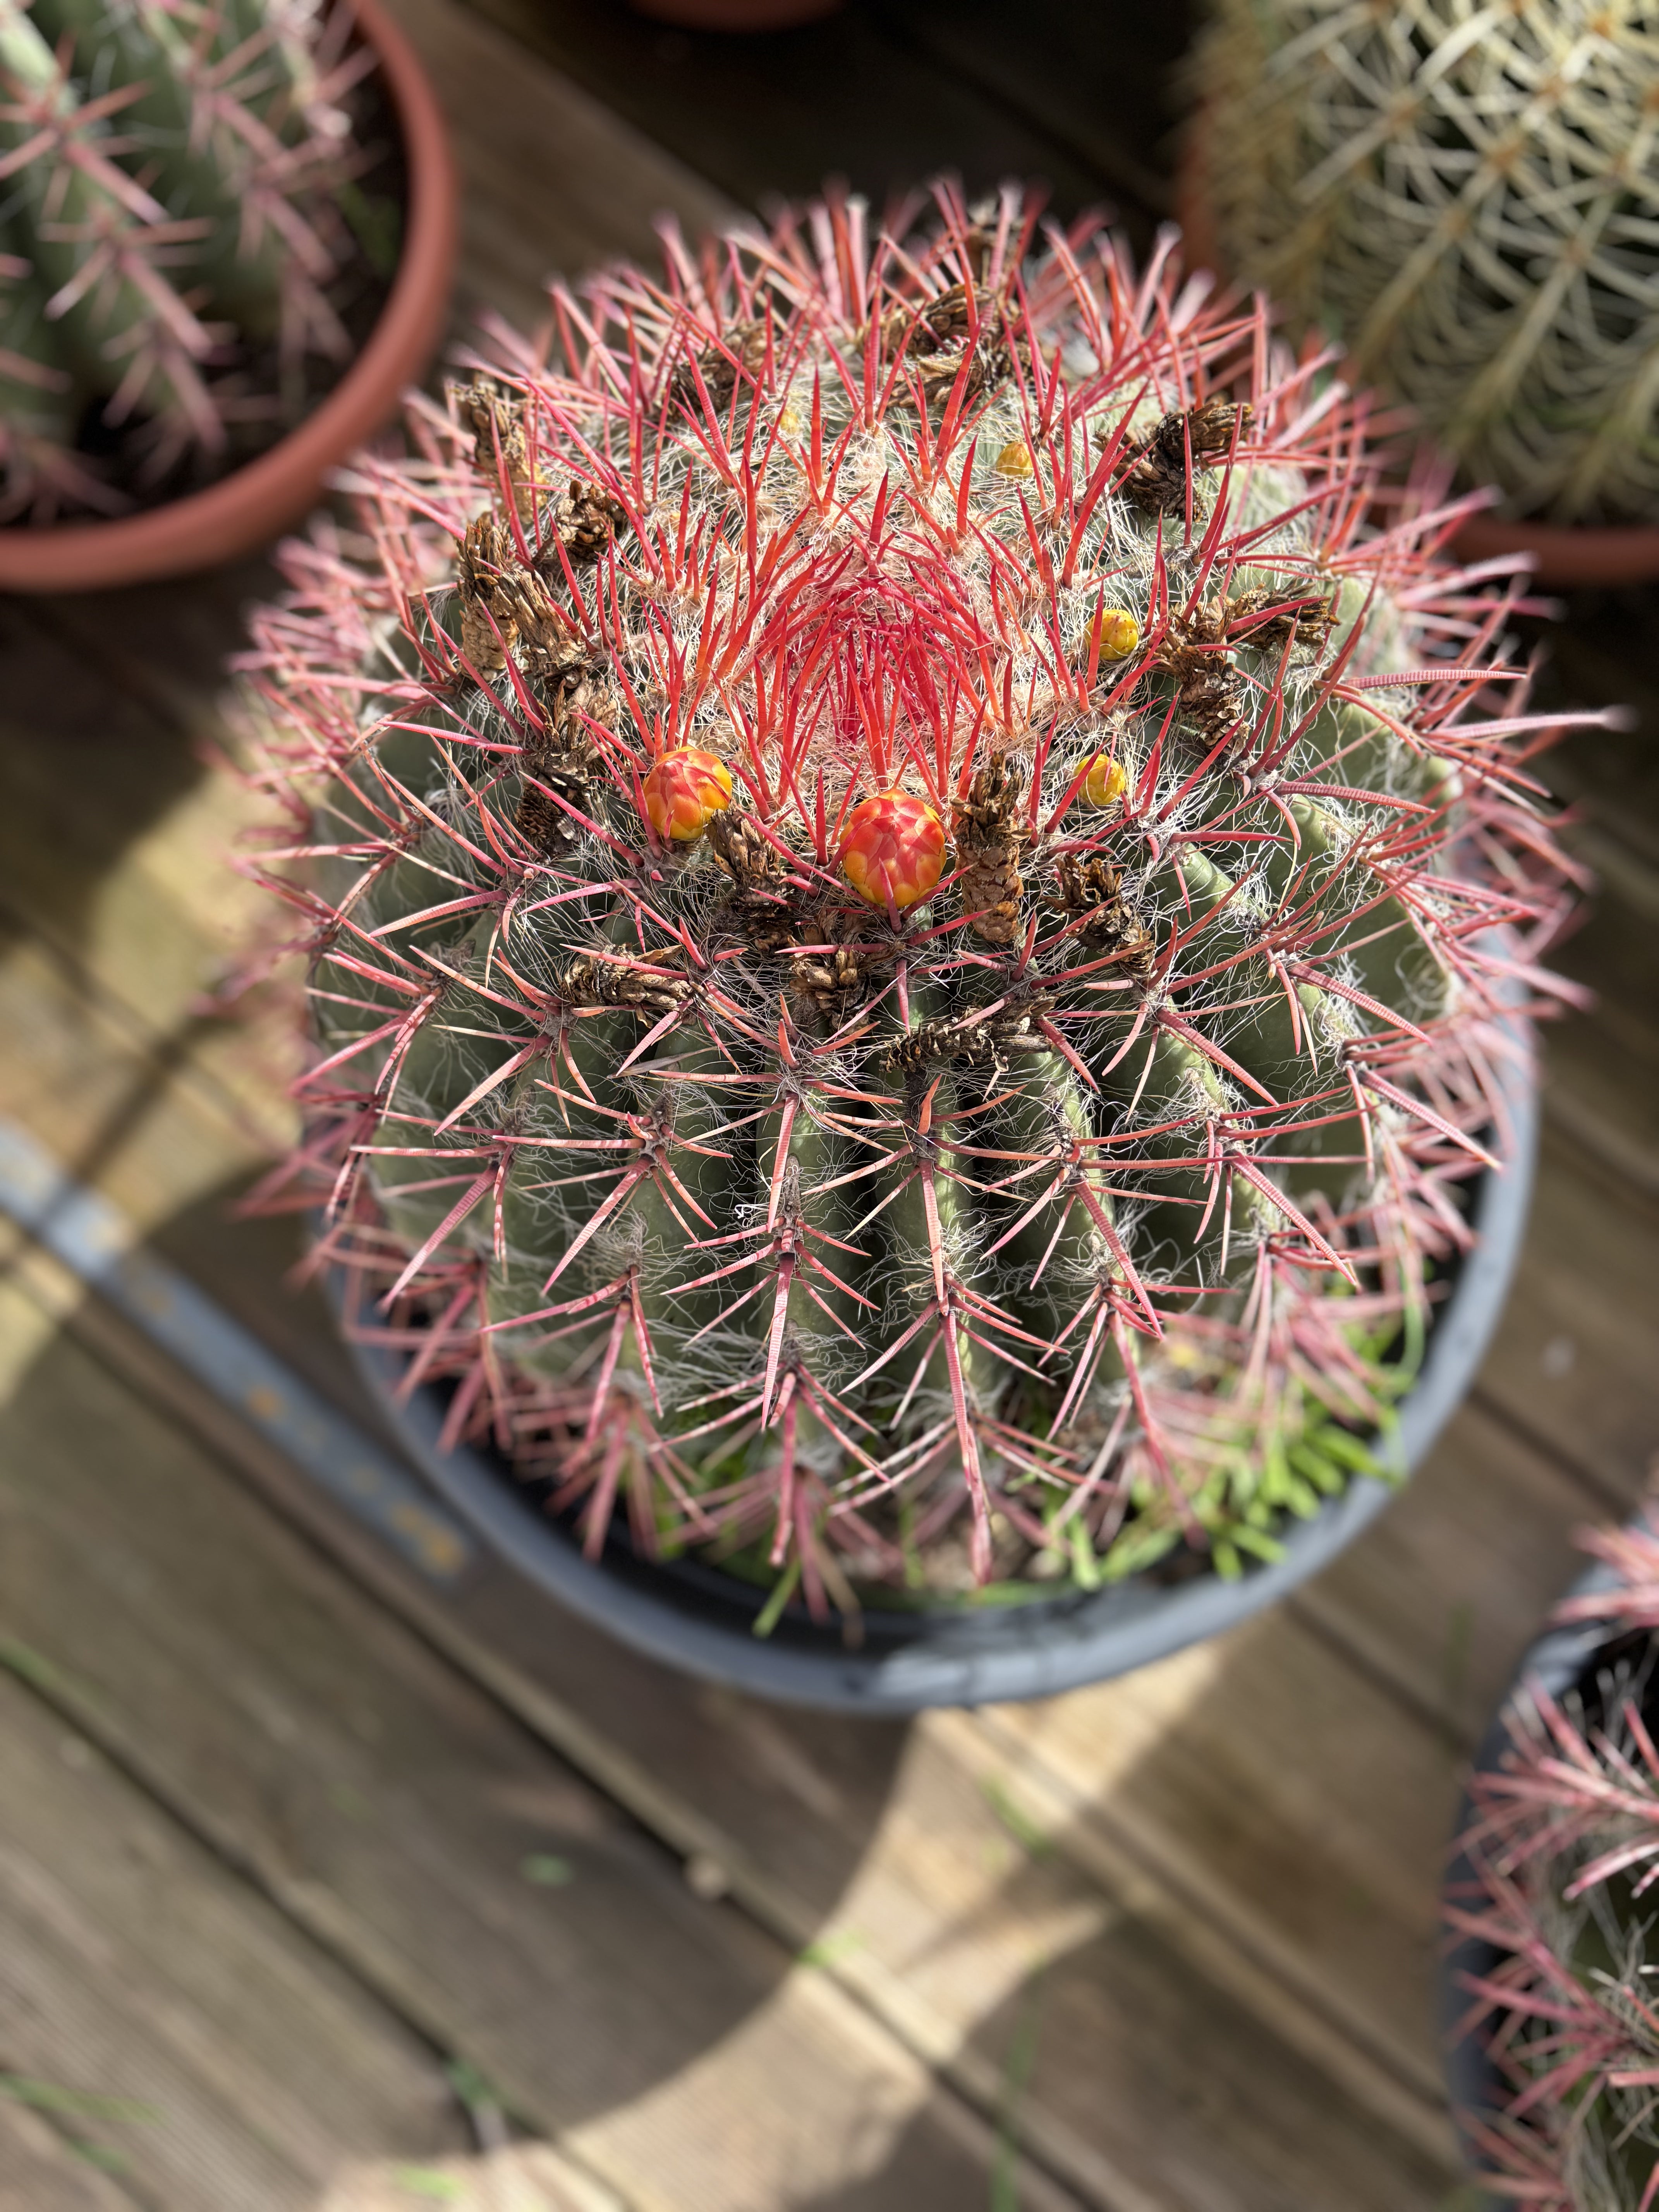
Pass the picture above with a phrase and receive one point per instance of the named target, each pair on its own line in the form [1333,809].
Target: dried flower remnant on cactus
[1001,1136]
[1556,1888]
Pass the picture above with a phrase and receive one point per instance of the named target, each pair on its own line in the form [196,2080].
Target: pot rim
[995,1654]
[259,501]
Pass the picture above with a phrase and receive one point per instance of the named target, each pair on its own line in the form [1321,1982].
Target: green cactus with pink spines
[914,921]
[172,180]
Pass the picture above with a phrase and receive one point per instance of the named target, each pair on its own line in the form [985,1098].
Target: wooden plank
[154,1128]
[166,2017]
[944,1921]
[1571,1367]
[1443,1594]
[1065,71]
[1602,653]
[519,2177]
[853,96]
[1283,1795]
[469,1877]
[551,180]
[39,2172]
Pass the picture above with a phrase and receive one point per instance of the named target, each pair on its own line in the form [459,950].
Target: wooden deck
[322,1890]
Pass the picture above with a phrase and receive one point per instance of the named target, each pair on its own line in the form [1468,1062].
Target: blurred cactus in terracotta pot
[183,239]
[1467,198]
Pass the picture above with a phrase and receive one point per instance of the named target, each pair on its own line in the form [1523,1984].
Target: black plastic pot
[1561,1660]
[690,1615]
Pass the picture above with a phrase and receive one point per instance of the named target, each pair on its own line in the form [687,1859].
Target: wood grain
[552,182]
[167,2019]
[39,2172]
[469,1878]
[858,96]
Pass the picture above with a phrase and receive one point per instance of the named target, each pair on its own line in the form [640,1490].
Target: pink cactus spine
[1564,1855]
[1063,1214]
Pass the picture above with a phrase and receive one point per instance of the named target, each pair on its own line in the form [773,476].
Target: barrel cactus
[1466,196]
[175,256]
[911,914]
[1562,1854]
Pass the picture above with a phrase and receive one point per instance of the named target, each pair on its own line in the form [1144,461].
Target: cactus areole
[896,1023]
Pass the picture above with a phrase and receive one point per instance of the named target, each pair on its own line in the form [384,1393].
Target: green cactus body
[200,165]
[816,1123]
[171,179]
[1465,196]
[122,329]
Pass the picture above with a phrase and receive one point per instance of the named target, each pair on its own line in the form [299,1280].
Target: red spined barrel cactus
[911,907]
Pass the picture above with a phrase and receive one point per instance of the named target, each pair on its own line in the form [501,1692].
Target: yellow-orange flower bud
[683,792]
[1015,461]
[894,849]
[1105,783]
[1118,631]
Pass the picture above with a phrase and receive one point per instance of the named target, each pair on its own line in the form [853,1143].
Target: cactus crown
[890,986]
[175,259]
[1564,1848]
[1466,196]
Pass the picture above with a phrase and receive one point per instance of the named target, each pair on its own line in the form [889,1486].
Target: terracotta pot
[257,502]
[1562,554]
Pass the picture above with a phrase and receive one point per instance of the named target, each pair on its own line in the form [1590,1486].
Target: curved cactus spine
[173,172]
[39,409]
[99,240]
[218,119]
[1016,1216]
[1466,196]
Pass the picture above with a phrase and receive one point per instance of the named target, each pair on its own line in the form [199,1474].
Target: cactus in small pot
[178,280]
[913,920]
[1466,196]
[1561,1858]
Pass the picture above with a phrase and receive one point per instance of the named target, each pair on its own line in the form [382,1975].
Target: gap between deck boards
[1249,1970]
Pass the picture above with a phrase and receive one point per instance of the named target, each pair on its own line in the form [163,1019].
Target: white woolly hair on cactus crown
[1064,1177]
[1466,196]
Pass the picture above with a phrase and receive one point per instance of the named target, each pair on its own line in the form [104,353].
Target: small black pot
[1561,1660]
[691,1615]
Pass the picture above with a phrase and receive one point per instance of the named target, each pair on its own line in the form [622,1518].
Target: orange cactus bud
[1105,783]
[894,849]
[683,792]
[1015,461]
[1118,632]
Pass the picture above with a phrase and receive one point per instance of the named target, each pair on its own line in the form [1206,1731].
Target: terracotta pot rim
[257,502]
[1562,554]
[1566,553]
